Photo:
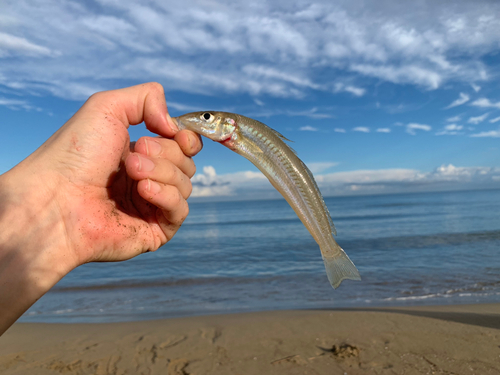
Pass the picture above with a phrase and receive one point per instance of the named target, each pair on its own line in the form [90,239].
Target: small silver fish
[266,149]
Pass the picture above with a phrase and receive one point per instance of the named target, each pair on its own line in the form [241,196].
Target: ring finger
[140,167]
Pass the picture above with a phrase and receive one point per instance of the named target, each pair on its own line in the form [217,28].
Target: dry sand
[425,340]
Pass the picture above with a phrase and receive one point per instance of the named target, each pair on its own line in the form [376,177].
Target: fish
[267,150]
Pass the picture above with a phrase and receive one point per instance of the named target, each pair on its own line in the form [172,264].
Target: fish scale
[267,150]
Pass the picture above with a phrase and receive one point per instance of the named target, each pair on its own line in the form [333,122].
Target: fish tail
[339,267]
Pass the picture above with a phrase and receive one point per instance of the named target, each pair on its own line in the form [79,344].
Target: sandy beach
[460,339]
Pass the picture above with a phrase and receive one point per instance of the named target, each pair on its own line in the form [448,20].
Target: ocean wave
[422,241]
[474,290]
[144,283]
[266,222]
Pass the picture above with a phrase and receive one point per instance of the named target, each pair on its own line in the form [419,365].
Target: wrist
[32,243]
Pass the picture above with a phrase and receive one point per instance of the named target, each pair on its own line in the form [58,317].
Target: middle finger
[140,167]
[167,149]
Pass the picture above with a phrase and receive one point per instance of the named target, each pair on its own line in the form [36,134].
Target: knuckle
[189,189]
[184,214]
[174,176]
[176,198]
[97,98]
[140,146]
[192,170]
[157,87]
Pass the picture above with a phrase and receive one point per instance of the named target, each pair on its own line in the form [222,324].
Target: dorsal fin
[284,139]
[281,135]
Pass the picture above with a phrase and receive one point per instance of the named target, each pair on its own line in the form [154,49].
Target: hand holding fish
[88,195]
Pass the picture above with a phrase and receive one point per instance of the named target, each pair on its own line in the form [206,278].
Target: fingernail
[153,187]
[172,123]
[145,164]
[153,148]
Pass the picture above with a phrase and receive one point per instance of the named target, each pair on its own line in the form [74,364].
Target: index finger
[135,104]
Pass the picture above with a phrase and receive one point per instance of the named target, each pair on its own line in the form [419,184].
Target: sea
[242,256]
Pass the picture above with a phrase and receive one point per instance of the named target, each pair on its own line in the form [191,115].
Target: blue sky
[378,97]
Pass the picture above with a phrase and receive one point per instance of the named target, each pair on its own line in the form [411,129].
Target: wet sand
[460,339]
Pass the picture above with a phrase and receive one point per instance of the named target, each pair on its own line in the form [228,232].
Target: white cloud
[253,185]
[311,113]
[362,129]
[454,119]
[383,130]
[209,184]
[475,87]
[451,129]
[488,134]
[339,130]
[464,98]
[496,119]
[235,47]
[410,128]
[485,103]
[356,91]
[308,128]
[403,74]
[478,119]
[16,104]
[11,45]
[268,72]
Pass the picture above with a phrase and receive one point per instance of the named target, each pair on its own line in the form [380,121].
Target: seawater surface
[426,248]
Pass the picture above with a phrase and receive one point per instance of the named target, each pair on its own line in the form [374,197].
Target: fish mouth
[177,121]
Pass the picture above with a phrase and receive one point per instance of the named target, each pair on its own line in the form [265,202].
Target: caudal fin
[339,268]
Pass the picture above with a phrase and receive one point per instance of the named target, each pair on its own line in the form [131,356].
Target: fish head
[217,126]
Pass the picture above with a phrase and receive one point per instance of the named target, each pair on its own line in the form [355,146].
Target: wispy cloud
[308,128]
[362,129]
[454,119]
[410,128]
[401,74]
[496,119]
[311,113]
[485,103]
[464,98]
[478,119]
[383,130]
[356,91]
[475,87]
[236,47]
[452,129]
[488,134]
[11,45]
[339,130]
[16,104]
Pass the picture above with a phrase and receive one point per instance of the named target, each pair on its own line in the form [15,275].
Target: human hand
[88,195]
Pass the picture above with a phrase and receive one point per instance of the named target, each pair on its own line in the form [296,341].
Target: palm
[114,222]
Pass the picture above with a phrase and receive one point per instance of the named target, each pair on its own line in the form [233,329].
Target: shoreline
[460,339]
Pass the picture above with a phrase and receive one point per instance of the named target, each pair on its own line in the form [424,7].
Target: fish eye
[207,116]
